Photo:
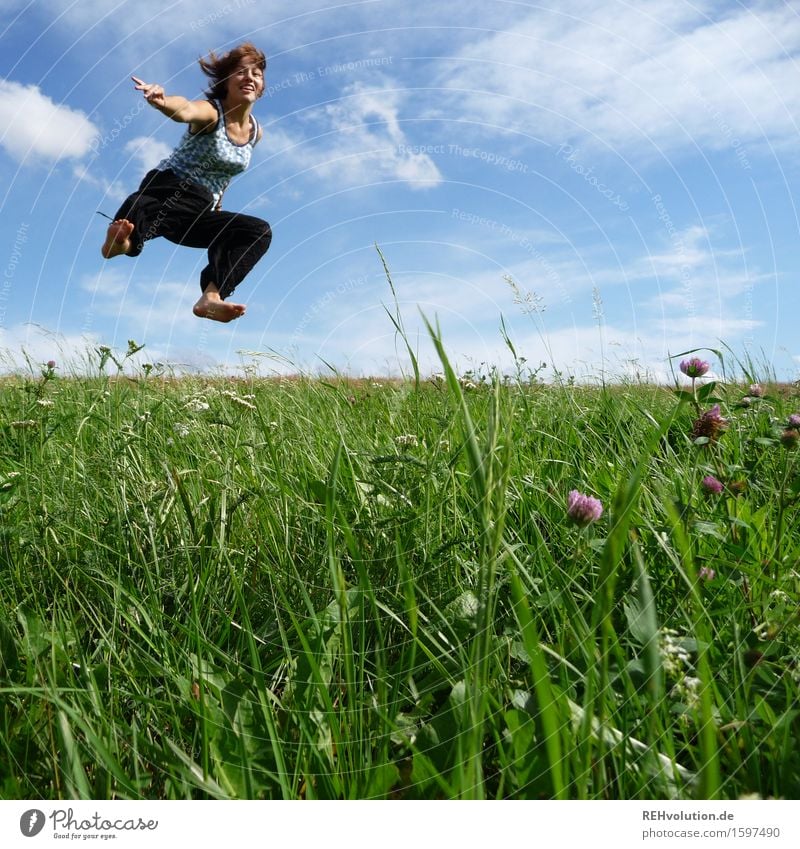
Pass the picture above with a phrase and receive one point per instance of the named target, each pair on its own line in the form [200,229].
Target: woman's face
[246,82]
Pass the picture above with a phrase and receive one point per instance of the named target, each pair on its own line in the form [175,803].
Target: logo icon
[31,822]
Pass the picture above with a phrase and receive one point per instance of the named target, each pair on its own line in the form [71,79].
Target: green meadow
[372,589]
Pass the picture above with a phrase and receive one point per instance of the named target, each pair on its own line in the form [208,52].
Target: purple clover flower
[711,486]
[756,390]
[583,509]
[694,367]
[794,420]
[706,574]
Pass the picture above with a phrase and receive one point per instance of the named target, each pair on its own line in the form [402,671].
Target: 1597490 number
[758,832]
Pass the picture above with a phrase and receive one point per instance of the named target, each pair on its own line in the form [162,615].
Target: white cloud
[138,304]
[112,191]
[209,23]
[37,128]
[148,152]
[651,310]
[684,331]
[360,139]
[622,74]
[697,285]
[29,343]
[108,283]
[28,346]
[362,340]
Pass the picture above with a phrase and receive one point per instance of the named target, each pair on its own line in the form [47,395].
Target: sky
[606,185]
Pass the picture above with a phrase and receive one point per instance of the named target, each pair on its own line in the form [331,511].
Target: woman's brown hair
[220,68]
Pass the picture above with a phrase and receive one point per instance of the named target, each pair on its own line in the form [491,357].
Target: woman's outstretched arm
[199,113]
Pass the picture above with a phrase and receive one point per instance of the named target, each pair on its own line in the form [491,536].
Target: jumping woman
[181,198]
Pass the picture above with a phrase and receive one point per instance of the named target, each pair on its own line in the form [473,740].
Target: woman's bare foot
[212,306]
[117,238]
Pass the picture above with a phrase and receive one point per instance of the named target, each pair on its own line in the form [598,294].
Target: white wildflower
[181,429]
[794,669]
[764,629]
[45,402]
[407,440]
[674,656]
[244,401]
[197,405]
[7,481]
[688,691]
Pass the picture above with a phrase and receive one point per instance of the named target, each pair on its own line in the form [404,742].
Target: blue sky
[631,167]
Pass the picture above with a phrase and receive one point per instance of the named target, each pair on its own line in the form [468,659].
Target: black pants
[181,211]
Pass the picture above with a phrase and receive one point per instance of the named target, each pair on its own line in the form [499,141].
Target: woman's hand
[153,93]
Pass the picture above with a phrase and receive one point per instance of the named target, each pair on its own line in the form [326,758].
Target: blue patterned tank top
[211,159]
